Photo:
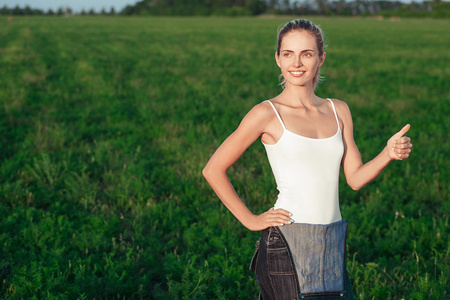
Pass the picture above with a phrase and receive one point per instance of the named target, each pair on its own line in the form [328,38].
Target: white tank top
[306,171]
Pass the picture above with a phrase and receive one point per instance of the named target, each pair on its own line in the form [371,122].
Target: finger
[277,220]
[283,211]
[277,223]
[284,223]
[282,219]
[402,153]
[403,146]
[403,156]
[402,132]
[402,149]
[402,140]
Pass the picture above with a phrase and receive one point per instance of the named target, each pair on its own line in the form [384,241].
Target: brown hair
[313,29]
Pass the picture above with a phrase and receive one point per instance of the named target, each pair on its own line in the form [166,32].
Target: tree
[27,11]
[257,7]
[286,6]
[321,6]
[37,12]
[4,11]
[17,11]
[68,11]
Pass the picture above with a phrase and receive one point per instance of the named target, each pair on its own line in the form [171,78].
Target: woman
[307,139]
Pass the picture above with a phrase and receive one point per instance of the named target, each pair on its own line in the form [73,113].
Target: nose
[298,61]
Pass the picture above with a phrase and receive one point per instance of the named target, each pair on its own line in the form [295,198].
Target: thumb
[402,132]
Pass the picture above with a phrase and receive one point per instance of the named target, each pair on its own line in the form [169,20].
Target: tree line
[433,8]
[62,11]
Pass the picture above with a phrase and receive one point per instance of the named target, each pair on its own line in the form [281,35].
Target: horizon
[87,5]
[76,7]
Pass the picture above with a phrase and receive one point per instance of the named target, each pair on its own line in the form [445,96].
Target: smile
[296,73]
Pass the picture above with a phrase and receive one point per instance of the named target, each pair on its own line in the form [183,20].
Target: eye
[287,55]
[308,54]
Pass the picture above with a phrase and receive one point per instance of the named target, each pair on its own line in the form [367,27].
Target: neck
[299,96]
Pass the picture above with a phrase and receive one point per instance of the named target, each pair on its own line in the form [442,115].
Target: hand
[271,218]
[399,146]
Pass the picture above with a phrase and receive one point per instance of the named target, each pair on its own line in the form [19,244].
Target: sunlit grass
[107,123]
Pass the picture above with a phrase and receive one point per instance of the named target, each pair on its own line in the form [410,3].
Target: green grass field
[106,124]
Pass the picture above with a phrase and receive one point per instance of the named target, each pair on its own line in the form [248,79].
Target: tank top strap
[278,115]
[335,113]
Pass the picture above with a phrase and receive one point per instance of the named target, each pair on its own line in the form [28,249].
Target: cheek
[312,64]
[283,63]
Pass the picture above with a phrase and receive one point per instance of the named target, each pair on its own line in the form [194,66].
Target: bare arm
[358,174]
[251,128]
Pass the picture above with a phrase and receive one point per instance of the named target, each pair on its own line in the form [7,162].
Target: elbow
[355,186]
[212,172]
[206,172]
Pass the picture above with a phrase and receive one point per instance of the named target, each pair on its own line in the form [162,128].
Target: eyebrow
[306,50]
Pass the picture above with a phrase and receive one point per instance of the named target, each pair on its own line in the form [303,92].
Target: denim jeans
[277,274]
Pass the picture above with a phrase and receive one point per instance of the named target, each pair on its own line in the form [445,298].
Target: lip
[297,73]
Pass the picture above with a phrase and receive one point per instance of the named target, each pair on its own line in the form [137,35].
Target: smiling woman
[300,58]
[313,30]
[301,252]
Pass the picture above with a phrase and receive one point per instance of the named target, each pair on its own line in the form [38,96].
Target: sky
[76,5]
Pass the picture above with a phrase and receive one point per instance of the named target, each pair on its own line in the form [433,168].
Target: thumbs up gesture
[399,146]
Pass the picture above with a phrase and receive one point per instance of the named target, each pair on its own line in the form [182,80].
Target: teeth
[297,73]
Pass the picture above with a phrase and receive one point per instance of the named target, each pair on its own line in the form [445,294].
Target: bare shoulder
[342,108]
[256,120]
[260,112]
[339,104]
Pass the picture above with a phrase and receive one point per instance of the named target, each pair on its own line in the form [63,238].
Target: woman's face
[299,58]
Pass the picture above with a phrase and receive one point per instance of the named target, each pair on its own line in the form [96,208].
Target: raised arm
[358,174]
[251,128]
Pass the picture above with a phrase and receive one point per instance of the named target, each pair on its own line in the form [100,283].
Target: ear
[322,59]
[277,59]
